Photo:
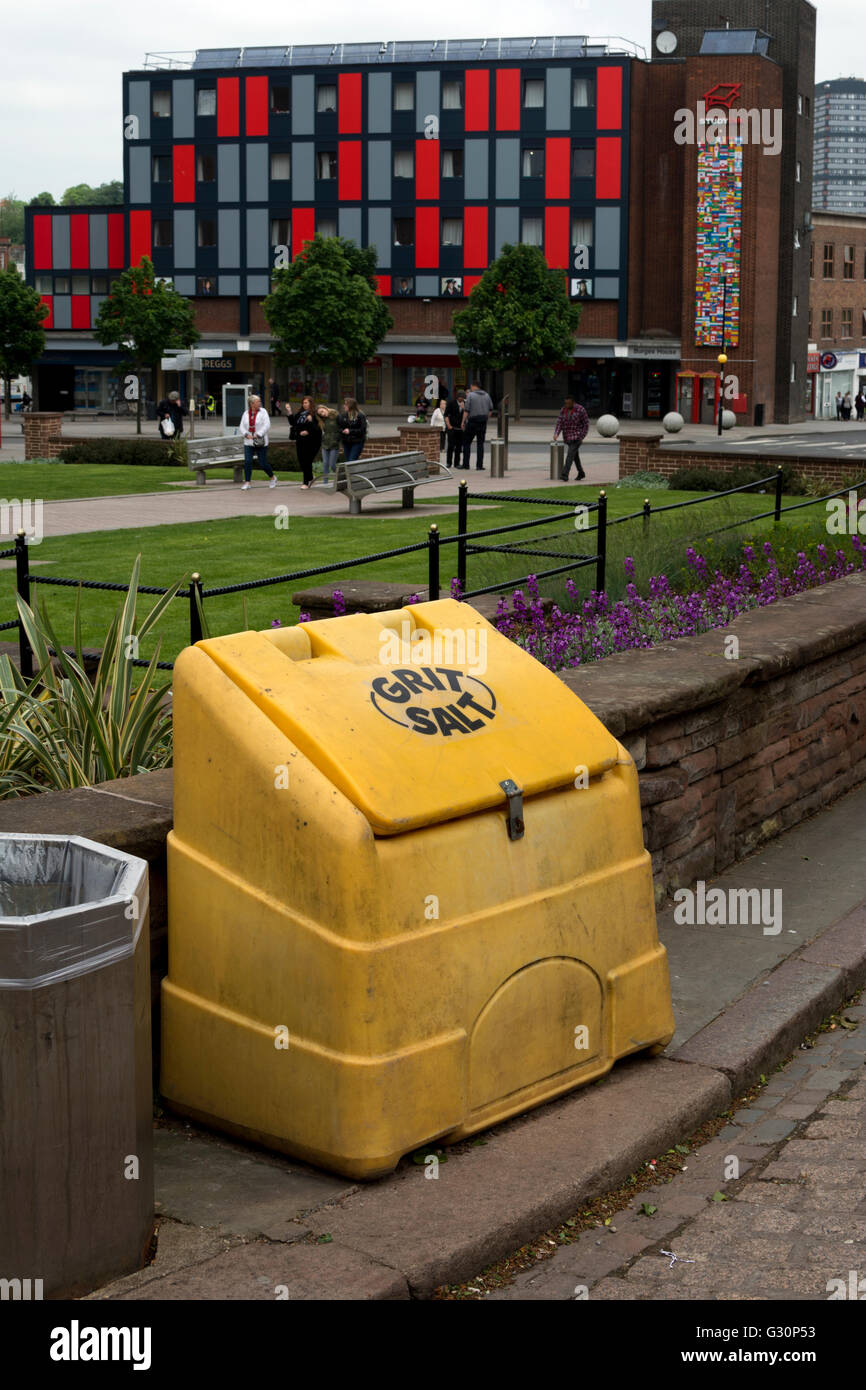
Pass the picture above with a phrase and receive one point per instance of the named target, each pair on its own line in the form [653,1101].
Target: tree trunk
[138,400]
[516,412]
[7,401]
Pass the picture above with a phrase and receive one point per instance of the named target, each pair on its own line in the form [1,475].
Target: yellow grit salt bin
[408,892]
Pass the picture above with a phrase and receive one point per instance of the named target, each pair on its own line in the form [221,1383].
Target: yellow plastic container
[373,943]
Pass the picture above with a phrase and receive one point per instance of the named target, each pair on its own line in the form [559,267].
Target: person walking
[454,430]
[846,406]
[838,405]
[860,404]
[307,434]
[255,426]
[170,409]
[477,410]
[352,424]
[573,424]
[274,390]
[330,441]
[437,422]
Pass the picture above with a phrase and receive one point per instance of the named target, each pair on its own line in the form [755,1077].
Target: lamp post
[723,358]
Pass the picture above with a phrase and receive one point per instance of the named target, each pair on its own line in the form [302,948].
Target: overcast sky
[60,96]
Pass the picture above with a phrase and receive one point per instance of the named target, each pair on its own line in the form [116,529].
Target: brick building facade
[837,309]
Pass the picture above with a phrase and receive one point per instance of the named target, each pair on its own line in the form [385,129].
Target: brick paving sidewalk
[793,1220]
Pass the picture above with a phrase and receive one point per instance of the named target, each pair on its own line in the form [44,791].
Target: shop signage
[829,361]
[218,364]
[813,362]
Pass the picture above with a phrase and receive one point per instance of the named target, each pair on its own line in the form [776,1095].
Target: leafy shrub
[646,481]
[157,453]
[716,480]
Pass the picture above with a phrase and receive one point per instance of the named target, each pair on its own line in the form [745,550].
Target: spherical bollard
[607,426]
[729,419]
[673,422]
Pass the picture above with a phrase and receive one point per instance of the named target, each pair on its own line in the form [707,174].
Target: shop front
[79,381]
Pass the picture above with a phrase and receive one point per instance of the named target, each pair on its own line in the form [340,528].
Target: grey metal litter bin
[76,1137]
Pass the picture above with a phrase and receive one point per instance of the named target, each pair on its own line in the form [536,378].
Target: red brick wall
[838,293]
[638,455]
[42,434]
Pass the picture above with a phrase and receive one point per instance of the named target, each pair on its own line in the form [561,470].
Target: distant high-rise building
[840,146]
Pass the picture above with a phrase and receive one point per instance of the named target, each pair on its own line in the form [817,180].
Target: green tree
[144,317]
[82,193]
[22,339]
[12,218]
[324,307]
[43,200]
[518,317]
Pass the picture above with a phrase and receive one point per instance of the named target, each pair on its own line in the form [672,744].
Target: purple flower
[339,603]
[276,623]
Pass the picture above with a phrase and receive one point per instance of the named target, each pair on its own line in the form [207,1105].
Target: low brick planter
[644,454]
[41,434]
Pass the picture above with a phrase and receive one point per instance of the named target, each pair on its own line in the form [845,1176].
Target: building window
[452,95]
[533,93]
[44,284]
[795,311]
[848,267]
[793,371]
[581,91]
[160,102]
[81,284]
[452,231]
[161,167]
[810,323]
[532,231]
[808,104]
[326,226]
[326,164]
[99,284]
[799,172]
[61,284]
[279,231]
[826,323]
[533,164]
[404,231]
[583,163]
[812,260]
[404,96]
[205,168]
[829,260]
[326,97]
[799,105]
[581,231]
[205,101]
[281,164]
[162,231]
[452,164]
[280,101]
[207,231]
[847,323]
[404,164]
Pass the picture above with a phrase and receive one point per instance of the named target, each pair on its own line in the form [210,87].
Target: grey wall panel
[60,241]
[62,311]
[507,227]
[475,169]
[379,170]
[607,287]
[258,250]
[379,103]
[98,240]
[185,284]
[426,285]
[257,173]
[349,224]
[303,104]
[607,229]
[230,284]
[139,105]
[558,99]
[183,108]
[258,285]
[229,237]
[228,173]
[507,169]
[95,301]
[426,97]
[380,233]
[184,238]
[139,174]
[303,170]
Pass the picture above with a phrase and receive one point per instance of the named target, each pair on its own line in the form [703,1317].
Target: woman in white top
[255,427]
[437,421]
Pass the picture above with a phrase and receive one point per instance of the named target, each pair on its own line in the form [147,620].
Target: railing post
[22,584]
[601,553]
[462,524]
[779,493]
[195,600]
[433,563]
[647,509]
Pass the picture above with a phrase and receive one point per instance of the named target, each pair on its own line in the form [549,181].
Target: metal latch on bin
[514,818]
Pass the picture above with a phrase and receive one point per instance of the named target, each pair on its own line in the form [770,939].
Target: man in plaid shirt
[572,424]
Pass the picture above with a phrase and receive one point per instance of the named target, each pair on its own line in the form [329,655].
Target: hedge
[156,453]
[718,480]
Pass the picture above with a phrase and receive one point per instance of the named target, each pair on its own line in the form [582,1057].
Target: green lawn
[247,548]
[54,481]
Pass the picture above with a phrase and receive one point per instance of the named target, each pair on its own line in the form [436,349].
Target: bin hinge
[514,819]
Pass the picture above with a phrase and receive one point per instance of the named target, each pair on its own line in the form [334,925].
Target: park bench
[387,473]
[227,451]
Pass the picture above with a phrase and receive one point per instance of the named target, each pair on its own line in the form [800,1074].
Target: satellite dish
[667,42]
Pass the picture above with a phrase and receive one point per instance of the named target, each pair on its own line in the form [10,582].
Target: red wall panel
[139,235]
[349,103]
[228,101]
[469,283]
[427,237]
[42,243]
[115,241]
[79,242]
[349,170]
[608,164]
[556,237]
[183,173]
[257,106]
[303,228]
[475,237]
[508,99]
[81,311]
[477,99]
[557,166]
[383,284]
[608,101]
[49,300]
[427,168]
